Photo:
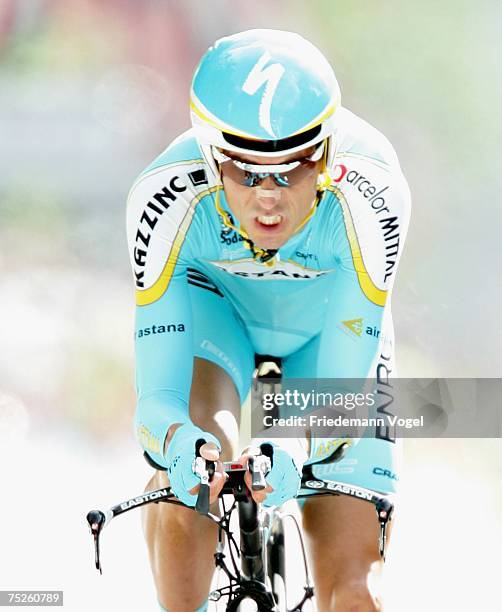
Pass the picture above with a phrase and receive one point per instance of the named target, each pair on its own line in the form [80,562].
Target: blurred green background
[92,90]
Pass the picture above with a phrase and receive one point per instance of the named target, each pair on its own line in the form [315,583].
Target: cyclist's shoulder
[161,212]
[162,201]
[366,165]
[180,170]
[372,197]
[171,186]
[359,140]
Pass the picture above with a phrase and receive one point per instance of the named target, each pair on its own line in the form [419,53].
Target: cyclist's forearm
[164,364]
[158,415]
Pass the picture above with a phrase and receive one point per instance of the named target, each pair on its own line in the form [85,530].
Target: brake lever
[204,470]
[259,466]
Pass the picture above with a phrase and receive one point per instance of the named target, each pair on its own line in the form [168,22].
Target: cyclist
[274,226]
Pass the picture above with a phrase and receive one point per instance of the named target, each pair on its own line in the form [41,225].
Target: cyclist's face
[271,214]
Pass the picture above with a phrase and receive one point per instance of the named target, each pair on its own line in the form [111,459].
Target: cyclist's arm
[163,367]
[358,331]
[163,331]
[368,242]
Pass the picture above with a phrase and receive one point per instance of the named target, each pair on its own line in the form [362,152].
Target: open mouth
[268,221]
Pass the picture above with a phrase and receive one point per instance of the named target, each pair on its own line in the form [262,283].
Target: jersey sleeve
[369,234]
[159,219]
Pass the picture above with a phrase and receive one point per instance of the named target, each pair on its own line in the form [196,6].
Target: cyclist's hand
[258,496]
[211,452]
[283,480]
[180,456]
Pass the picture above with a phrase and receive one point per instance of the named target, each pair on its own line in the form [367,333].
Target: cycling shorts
[221,337]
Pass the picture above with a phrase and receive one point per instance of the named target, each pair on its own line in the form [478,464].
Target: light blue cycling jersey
[322,304]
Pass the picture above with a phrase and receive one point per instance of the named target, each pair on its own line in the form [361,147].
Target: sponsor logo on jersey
[280,270]
[378,471]
[154,209]
[198,177]
[364,186]
[356,327]
[385,393]
[390,229]
[159,329]
[230,237]
[306,256]
[163,189]
[376,199]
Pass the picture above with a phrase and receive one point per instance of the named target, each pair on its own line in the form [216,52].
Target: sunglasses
[283,175]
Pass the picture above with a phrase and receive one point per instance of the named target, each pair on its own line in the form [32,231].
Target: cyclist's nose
[268,198]
[268,183]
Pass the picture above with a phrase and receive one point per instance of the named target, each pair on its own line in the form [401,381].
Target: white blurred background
[90,92]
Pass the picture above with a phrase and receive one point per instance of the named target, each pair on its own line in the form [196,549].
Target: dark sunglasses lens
[282,180]
[252,179]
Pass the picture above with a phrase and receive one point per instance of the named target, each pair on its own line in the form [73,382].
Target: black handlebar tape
[202,504]
[257,477]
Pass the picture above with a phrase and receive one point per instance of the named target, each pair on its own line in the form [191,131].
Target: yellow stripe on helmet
[206,116]
[318,120]
[212,120]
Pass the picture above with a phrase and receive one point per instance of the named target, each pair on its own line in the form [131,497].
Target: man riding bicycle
[273,227]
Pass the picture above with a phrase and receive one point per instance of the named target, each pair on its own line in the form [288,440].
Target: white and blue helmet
[264,92]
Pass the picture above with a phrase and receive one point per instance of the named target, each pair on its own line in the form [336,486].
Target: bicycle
[261,575]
